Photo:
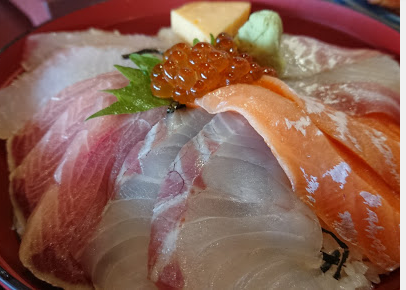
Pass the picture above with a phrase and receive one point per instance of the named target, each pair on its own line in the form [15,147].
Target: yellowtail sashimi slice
[69,212]
[35,173]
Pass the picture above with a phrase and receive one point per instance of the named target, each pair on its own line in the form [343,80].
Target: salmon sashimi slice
[226,218]
[364,139]
[344,187]
[68,213]
[117,254]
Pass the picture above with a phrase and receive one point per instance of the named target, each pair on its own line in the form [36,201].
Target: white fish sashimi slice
[27,95]
[368,86]
[36,172]
[380,69]
[357,81]
[161,145]
[124,256]
[355,99]
[40,46]
[128,216]
[226,208]
[305,56]
[68,213]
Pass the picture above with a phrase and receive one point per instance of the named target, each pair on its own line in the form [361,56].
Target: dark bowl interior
[319,19]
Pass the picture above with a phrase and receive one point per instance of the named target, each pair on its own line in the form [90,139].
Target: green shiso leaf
[195,41]
[145,62]
[212,39]
[137,96]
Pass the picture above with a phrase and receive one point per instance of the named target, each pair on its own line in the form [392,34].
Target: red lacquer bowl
[319,19]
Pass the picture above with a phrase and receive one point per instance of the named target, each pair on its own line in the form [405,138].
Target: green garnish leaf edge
[212,39]
[195,41]
[136,96]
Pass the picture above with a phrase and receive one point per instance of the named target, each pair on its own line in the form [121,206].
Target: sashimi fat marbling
[232,194]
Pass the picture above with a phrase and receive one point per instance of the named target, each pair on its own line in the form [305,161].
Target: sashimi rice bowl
[220,153]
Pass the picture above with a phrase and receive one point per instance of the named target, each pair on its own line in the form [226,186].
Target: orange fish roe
[190,72]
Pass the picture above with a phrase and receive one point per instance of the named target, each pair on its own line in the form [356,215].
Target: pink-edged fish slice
[70,210]
[27,95]
[226,200]
[20,144]
[353,98]
[355,81]
[39,45]
[125,226]
[67,115]
[306,56]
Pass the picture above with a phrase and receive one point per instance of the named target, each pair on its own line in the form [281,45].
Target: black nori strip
[346,253]
[174,106]
[325,267]
[330,260]
[333,259]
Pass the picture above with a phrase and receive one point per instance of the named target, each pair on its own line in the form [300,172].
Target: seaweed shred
[174,106]
[334,258]
[143,51]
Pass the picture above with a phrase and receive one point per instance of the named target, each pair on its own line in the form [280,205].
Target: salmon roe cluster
[189,72]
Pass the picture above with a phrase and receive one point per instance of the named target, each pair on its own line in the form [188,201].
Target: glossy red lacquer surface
[323,20]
